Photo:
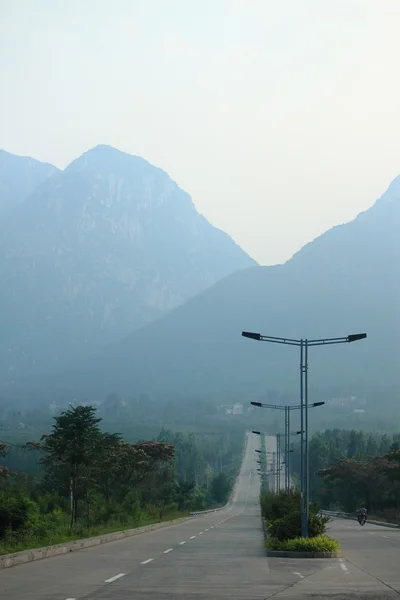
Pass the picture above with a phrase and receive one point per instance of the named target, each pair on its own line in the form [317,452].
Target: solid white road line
[114,578]
[146,561]
[169,550]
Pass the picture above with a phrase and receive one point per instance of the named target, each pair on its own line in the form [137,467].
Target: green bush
[17,513]
[289,526]
[320,543]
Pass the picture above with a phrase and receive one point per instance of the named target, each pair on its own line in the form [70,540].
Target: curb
[25,556]
[287,554]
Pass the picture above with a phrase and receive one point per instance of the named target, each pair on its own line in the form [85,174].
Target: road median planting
[282,528]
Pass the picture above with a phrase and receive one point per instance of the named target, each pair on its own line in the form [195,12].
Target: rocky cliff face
[96,251]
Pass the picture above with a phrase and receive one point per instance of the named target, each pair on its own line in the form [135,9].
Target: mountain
[19,176]
[346,281]
[97,250]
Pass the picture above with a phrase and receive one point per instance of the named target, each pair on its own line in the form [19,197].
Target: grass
[30,541]
[320,543]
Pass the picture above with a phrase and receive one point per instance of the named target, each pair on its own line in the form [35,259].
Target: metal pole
[306,465]
[288,451]
[278,452]
[286,439]
[302,512]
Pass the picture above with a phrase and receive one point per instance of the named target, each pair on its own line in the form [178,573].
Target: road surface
[214,557]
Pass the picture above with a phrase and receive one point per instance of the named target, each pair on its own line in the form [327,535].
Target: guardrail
[343,515]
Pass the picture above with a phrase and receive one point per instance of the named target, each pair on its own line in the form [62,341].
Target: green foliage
[289,526]
[319,543]
[17,513]
[278,505]
[350,468]
[110,484]
[221,486]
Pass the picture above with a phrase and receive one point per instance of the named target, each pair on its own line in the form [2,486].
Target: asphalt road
[214,557]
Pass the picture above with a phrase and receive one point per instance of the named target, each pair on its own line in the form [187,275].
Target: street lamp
[287,409]
[304,344]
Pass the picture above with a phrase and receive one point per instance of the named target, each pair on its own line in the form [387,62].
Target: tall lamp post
[288,408]
[304,344]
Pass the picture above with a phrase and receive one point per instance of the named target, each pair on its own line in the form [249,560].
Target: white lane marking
[70,598]
[343,566]
[192,537]
[206,529]
[299,574]
[370,533]
[212,527]
[146,561]
[169,550]
[114,578]
[385,536]
[181,543]
[200,533]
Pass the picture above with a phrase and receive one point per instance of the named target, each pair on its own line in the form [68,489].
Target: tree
[220,488]
[72,451]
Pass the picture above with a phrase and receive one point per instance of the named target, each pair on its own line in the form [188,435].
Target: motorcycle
[362,519]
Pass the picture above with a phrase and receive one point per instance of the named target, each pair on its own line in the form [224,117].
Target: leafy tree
[220,488]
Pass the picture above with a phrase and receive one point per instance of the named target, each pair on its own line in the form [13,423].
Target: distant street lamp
[304,344]
[287,410]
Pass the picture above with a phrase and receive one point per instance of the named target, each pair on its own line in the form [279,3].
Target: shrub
[289,526]
[17,513]
[320,543]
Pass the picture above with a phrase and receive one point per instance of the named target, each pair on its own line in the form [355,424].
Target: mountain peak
[110,159]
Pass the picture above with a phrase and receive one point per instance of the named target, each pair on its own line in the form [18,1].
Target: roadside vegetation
[350,468]
[281,514]
[82,481]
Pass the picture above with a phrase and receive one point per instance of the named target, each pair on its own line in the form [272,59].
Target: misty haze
[200,291]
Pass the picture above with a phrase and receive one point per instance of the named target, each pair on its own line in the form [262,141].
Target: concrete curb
[330,513]
[19,558]
[287,554]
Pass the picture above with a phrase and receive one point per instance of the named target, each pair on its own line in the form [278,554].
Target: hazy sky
[280,117]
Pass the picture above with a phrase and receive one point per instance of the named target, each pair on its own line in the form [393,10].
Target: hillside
[345,281]
[19,176]
[97,250]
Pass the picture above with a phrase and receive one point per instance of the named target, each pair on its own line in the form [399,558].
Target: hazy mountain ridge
[19,176]
[345,281]
[97,250]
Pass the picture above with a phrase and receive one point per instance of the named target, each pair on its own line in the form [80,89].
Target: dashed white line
[169,550]
[200,533]
[181,543]
[146,561]
[299,574]
[371,533]
[206,529]
[385,536]
[114,578]
[212,527]
[343,566]
[192,537]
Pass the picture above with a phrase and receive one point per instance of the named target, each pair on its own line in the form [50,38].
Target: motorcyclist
[362,513]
